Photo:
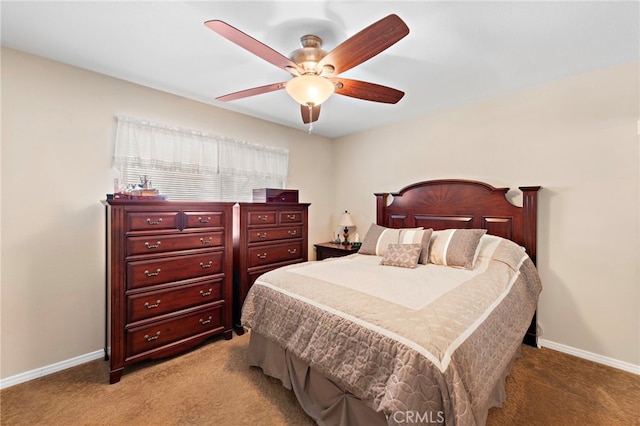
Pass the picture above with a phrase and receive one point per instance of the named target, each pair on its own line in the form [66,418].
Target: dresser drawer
[272,254]
[152,336]
[257,235]
[152,221]
[203,219]
[262,218]
[158,271]
[254,273]
[154,303]
[290,217]
[173,242]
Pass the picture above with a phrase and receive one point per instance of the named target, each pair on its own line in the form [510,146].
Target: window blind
[187,164]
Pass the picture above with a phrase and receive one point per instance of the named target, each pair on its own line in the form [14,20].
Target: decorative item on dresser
[169,278]
[265,236]
[327,250]
[274,195]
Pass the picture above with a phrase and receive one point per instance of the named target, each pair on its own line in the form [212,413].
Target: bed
[421,326]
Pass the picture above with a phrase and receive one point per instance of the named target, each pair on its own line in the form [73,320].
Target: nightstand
[325,250]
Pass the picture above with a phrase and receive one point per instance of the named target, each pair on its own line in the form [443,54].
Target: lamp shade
[345,220]
[310,89]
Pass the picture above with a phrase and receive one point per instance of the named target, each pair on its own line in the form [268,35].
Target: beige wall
[576,138]
[57,129]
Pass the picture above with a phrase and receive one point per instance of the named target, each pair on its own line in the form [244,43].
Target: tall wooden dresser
[265,236]
[169,278]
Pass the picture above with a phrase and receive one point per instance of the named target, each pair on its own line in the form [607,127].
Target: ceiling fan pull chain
[310,117]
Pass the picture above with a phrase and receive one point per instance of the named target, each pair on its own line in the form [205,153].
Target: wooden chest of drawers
[265,236]
[169,278]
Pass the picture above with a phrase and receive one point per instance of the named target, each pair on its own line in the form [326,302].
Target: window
[191,165]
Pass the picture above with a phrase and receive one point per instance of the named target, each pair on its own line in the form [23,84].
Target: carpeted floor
[213,385]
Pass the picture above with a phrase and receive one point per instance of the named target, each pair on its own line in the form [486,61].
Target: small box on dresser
[169,278]
[275,195]
[265,236]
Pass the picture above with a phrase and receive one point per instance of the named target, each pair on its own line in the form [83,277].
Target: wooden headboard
[454,203]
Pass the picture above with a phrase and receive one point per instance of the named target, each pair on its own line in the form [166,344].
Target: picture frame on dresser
[169,278]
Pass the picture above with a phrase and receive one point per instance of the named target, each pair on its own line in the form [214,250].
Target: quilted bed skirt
[327,403]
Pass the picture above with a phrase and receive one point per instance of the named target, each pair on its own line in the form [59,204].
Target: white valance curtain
[189,164]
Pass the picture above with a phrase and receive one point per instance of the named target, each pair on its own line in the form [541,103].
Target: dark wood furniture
[452,203]
[326,250]
[275,195]
[169,278]
[265,236]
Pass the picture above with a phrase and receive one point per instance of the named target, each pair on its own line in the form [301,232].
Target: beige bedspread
[429,343]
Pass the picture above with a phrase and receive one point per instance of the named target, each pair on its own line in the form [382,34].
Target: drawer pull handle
[207,220]
[262,235]
[291,216]
[206,265]
[152,274]
[206,293]
[152,246]
[292,233]
[262,256]
[154,222]
[149,306]
[263,218]
[204,242]
[151,338]
[205,321]
[292,251]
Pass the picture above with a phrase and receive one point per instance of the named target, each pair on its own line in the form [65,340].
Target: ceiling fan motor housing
[309,54]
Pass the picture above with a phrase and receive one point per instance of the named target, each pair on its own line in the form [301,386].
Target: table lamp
[346,221]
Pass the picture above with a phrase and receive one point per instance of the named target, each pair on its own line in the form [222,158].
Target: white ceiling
[456,52]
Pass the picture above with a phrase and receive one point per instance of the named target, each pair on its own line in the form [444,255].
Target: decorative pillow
[402,255]
[378,237]
[424,252]
[455,247]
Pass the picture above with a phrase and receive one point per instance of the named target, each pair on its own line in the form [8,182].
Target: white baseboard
[50,369]
[63,365]
[620,365]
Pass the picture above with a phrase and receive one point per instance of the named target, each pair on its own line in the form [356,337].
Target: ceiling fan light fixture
[310,89]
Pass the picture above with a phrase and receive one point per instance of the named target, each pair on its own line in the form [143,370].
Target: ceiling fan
[315,72]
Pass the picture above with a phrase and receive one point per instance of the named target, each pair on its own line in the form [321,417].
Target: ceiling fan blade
[365,44]
[309,117]
[366,91]
[252,45]
[251,92]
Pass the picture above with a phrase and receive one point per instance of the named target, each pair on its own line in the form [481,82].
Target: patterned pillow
[402,255]
[378,237]
[455,247]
